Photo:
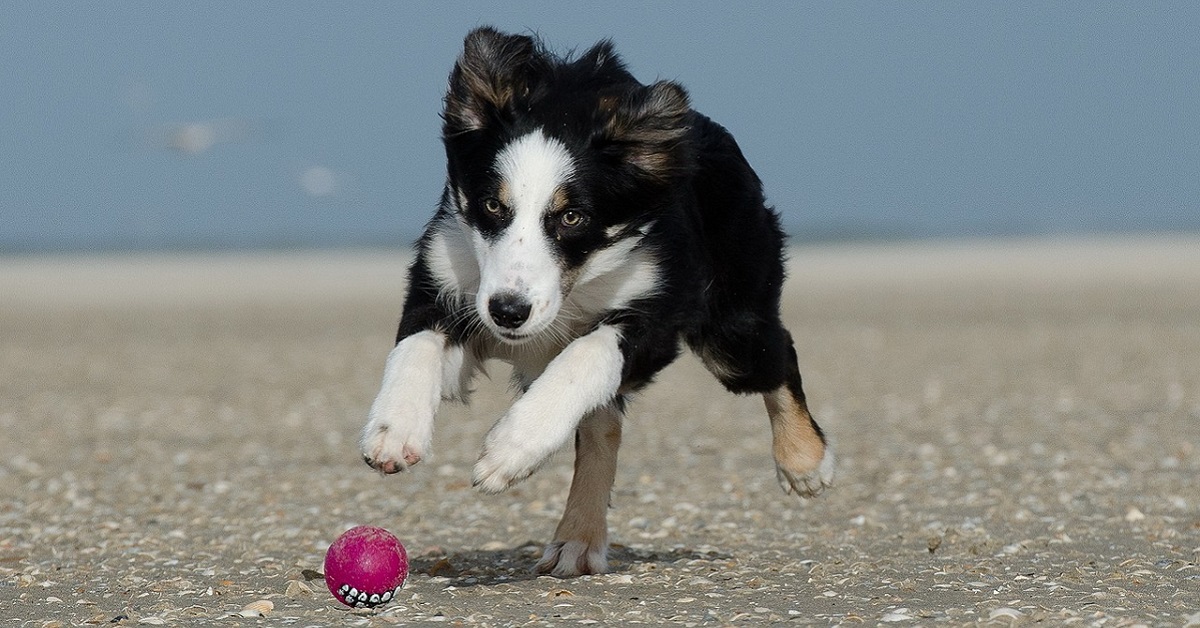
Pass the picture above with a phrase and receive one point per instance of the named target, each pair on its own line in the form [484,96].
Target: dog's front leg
[580,543]
[399,428]
[585,376]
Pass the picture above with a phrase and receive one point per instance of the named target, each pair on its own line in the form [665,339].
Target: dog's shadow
[468,568]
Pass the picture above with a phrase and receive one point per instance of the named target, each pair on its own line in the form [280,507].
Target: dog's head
[556,169]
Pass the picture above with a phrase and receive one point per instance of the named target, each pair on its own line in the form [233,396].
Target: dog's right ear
[493,71]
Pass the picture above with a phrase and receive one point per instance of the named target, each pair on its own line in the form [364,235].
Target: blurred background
[218,125]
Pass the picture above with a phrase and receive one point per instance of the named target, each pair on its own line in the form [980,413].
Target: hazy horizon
[139,125]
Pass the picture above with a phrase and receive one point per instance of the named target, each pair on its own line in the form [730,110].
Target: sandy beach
[1017,425]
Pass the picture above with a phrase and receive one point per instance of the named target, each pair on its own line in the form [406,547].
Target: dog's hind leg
[759,357]
[803,458]
[580,543]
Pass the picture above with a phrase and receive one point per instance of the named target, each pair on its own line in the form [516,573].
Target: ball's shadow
[467,568]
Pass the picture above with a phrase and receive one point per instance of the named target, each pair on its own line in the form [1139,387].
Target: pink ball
[365,566]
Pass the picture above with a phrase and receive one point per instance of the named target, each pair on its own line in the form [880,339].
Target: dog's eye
[493,205]
[571,219]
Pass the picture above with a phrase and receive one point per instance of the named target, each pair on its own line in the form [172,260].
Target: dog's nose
[509,310]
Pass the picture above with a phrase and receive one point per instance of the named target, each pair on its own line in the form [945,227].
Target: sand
[1017,425]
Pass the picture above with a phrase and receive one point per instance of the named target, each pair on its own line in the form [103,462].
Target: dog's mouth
[512,337]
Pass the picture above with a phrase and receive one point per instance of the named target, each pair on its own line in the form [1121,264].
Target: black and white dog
[589,226]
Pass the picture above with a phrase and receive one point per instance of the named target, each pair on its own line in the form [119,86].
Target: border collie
[590,225]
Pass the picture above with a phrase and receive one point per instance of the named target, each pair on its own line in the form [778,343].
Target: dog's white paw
[517,446]
[399,427]
[568,559]
[392,447]
[501,466]
[807,483]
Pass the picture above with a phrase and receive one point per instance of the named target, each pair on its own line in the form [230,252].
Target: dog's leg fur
[583,377]
[803,460]
[765,362]
[580,543]
[400,425]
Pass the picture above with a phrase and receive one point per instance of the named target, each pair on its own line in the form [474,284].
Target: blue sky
[875,119]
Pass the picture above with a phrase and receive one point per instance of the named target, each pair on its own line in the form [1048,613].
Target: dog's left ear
[494,70]
[648,128]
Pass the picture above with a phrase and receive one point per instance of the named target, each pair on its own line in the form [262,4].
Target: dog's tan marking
[801,455]
[559,201]
[504,194]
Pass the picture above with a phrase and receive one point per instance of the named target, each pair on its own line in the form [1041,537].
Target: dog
[590,225]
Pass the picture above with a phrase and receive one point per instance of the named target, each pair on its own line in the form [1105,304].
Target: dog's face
[530,227]
[554,168]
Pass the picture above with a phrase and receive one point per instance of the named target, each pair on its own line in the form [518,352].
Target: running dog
[590,226]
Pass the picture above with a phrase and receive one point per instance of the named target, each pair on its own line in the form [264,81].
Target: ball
[365,567]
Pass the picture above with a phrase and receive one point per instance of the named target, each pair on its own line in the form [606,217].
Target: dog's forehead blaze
[533,171]
[559,199]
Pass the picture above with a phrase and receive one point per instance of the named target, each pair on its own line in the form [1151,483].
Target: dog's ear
[493,71]
[648,129]
[602,58]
